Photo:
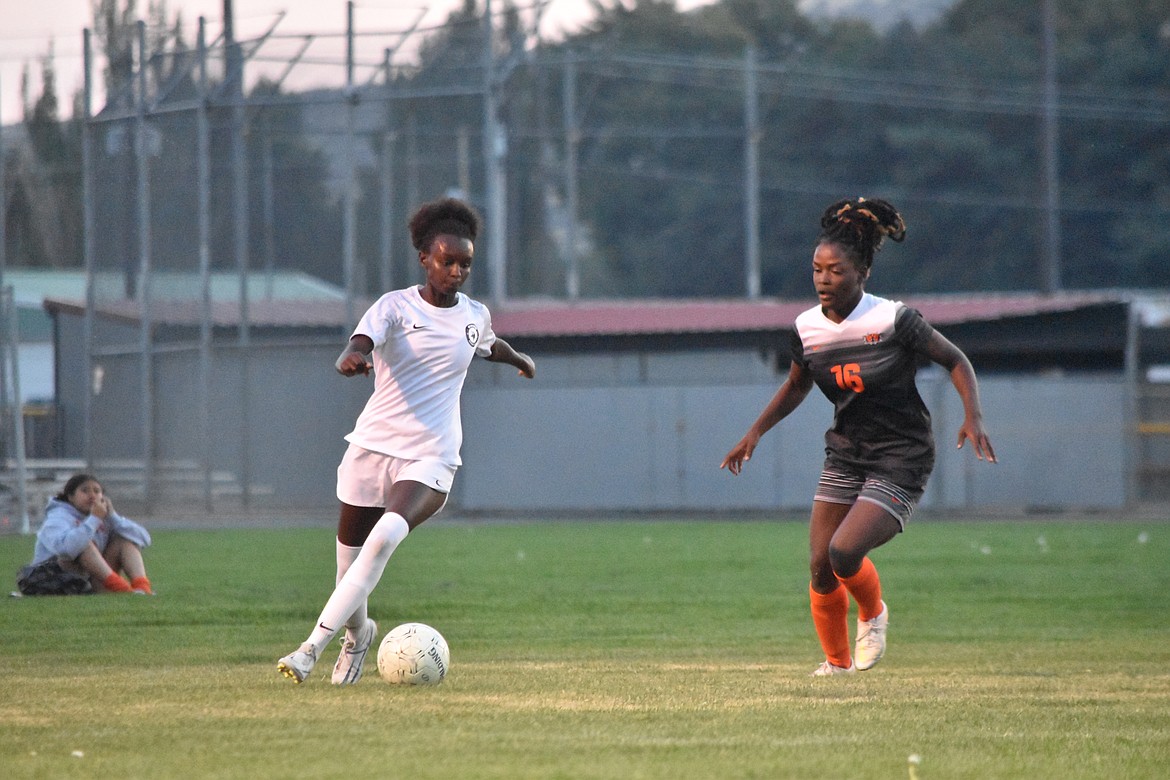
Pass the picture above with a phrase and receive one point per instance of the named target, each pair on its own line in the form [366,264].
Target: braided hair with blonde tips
[859,226]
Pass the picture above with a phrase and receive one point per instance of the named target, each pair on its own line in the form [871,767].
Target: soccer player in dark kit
[862,351]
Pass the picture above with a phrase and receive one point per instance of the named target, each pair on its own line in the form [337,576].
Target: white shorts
[364,477]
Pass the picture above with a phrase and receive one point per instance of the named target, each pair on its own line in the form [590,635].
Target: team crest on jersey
[472,335]
[873,338]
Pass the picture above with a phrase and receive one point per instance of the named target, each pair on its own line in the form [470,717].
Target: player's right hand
[352,364]
[740,454]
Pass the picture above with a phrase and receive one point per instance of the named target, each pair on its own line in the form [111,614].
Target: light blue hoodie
[66,531]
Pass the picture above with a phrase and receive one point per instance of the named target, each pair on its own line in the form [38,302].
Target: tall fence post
[235,76]
[89,250]
[11,356]
[494,152]
[203,228]
[145,271]
[751,173]
[1051,282]
[348,187]
[386,187]
[1133,384]
[572,144]
[3,204]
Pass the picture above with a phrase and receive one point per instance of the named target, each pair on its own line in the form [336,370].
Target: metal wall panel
[609,432]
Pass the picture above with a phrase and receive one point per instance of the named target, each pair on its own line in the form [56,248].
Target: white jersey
[421,356]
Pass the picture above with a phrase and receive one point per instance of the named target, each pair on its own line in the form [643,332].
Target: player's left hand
[974,432]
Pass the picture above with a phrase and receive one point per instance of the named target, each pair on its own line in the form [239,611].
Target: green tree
[946,121]
[305,230]
[44,214]
[1112,67]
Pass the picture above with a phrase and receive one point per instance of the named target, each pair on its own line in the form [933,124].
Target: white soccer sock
[359,580]
[346,555]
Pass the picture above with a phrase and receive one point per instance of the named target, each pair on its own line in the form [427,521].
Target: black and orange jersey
[866,367]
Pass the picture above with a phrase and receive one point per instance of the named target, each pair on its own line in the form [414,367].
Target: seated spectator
[85,536]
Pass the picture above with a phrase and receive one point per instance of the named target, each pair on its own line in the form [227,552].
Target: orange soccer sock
[116,583]
[142,584]
[866,589]
[830,612]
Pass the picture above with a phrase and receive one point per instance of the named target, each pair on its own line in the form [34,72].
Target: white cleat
[348,669]
[827,669]
[297,666]
[871,639]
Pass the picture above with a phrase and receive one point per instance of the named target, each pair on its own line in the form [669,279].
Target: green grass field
[607,649]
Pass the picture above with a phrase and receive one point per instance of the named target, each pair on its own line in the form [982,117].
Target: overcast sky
[28,28]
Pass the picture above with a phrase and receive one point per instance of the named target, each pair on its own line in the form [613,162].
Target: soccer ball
[413,654]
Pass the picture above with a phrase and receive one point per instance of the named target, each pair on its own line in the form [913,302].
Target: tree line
[947,121]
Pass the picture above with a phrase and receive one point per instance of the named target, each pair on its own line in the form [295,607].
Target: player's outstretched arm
[790,395]
[950,357]
[502,352]
[352,360]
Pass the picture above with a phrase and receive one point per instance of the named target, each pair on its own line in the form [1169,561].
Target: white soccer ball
[413,654]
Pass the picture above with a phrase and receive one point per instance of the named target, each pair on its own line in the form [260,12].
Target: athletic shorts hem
[892,512]
[840,487]
[364,477]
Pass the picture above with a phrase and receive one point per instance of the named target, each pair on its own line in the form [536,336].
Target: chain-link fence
[210,187]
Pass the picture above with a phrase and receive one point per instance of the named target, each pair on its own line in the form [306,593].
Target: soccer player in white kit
[404,449]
